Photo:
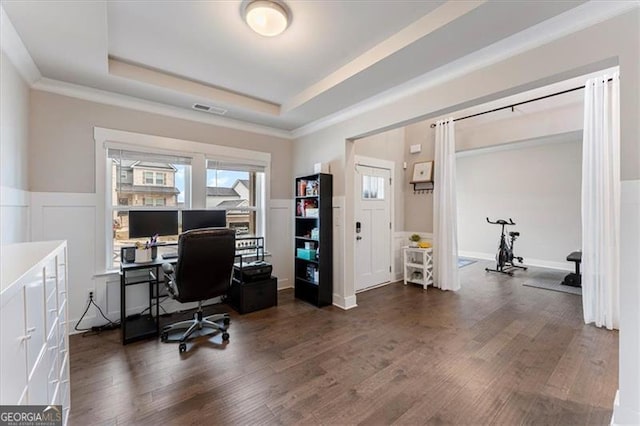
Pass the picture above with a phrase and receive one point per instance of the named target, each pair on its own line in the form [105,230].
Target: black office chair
[203,271]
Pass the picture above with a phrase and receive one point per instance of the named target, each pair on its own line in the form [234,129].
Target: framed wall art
[422,172]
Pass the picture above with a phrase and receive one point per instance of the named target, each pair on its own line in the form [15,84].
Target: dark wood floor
[496,352]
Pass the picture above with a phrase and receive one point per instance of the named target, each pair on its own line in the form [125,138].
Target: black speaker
[128,254]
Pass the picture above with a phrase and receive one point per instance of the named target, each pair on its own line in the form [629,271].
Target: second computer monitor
[196,219]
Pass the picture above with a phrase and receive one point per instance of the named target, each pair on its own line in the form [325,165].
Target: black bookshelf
[313,240]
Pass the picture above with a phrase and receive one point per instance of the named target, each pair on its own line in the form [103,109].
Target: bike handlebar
[502,222]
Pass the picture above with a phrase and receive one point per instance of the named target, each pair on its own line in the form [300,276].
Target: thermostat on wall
[414,149]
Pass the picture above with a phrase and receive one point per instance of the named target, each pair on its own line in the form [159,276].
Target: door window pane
[372,187]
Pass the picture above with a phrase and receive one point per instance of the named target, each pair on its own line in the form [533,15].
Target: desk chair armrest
[168,269]
[169,272]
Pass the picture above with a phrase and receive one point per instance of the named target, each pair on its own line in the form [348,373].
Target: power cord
[109,325]
[160,300]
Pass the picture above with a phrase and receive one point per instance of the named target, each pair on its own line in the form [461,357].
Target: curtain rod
[518,104]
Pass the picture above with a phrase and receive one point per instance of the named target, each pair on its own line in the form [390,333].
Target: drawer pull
[31,329]
[53,382]
[53,310]
[27,337]
[52,348]
[65,381]
[63,291]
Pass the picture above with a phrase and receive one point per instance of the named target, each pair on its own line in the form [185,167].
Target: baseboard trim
[345,303]
[528,262]
[284,284]
[373,287]
[622,415]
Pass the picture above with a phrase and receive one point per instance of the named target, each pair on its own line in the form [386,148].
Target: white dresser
[34,339]
[418,266]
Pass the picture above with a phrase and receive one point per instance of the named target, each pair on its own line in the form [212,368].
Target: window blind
[234,166]
[122,154]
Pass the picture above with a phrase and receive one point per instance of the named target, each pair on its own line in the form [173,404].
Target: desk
[139,327]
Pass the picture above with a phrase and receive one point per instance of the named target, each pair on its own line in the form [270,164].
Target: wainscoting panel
[279,240]
[14,215]
[77,226]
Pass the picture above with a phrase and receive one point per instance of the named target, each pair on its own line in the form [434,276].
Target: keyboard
[171,255]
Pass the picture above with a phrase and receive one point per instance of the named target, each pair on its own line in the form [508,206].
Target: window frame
[198,152]
[254,204]
[164,179]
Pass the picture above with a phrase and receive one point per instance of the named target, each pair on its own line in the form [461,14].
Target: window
[170,189]
[372,187]
[238,189]
[171,166]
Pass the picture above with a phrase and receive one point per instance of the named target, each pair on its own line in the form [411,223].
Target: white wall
[615,41]
[537,184]
[418,206]
[14,144]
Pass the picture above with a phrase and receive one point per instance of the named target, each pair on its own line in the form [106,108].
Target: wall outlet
[91,295]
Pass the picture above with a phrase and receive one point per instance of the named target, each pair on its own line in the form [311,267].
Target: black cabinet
[253,296]
[253,287]
[314,239]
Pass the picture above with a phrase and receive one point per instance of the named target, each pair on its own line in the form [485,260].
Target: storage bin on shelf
[307,254]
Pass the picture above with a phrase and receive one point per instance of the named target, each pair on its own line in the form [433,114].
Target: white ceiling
[335,54]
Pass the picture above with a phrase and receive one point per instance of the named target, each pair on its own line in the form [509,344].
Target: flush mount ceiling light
[267,18]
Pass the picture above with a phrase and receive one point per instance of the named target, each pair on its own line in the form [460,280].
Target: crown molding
[581,17]
[130,102]
[14,48]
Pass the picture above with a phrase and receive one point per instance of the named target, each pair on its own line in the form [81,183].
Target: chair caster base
[182,348]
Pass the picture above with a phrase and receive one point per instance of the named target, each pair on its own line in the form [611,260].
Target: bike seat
[514,234]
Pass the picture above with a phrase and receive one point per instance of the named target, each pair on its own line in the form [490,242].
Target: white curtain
[445,224]
[601,202]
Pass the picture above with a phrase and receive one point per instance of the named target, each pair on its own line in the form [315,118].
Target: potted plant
[415,238]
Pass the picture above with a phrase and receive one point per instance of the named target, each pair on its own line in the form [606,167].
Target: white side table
[418,266]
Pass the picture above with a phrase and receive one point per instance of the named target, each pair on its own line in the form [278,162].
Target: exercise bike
[504,256]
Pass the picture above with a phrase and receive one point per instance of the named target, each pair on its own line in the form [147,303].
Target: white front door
[373,226]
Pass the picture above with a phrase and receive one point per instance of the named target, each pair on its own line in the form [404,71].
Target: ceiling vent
[210,109]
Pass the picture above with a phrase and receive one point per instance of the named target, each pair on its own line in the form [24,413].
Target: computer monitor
[147,223]
[196,219]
